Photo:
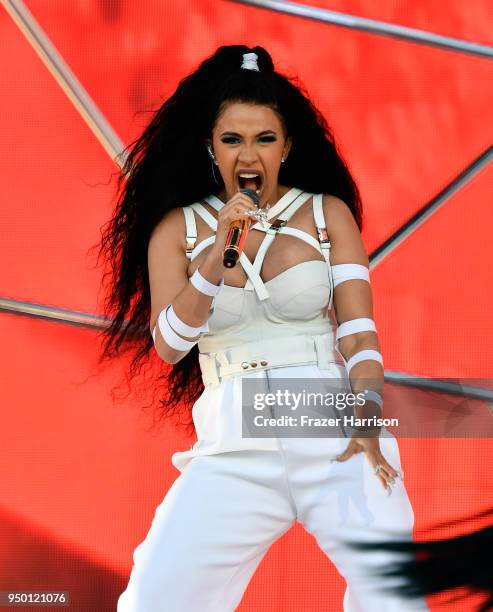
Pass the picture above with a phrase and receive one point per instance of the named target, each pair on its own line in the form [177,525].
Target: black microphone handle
[251,194]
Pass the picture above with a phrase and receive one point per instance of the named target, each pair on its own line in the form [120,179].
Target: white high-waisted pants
[223,512]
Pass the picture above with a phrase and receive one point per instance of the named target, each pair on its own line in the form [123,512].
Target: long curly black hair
[458,565]
[156,178]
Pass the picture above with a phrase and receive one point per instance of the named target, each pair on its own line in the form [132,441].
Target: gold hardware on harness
[190,245]
[323,237]
[263,362]
[245,365]
[277,224]
[253,364]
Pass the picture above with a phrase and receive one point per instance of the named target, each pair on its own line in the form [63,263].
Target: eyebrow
[259,134]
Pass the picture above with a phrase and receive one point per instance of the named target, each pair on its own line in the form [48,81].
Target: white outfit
[236,495]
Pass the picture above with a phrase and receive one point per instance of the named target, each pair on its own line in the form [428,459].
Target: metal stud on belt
[253,364]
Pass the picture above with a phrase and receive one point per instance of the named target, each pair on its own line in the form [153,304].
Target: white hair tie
[250,61]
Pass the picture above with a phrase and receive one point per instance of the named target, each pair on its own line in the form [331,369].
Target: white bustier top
[288,318]
[296,301]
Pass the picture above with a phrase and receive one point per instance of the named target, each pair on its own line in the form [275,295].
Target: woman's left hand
[371,447]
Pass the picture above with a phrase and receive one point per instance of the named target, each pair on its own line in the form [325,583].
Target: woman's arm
[353,297]
[353,300]
[168,278]
[169,282]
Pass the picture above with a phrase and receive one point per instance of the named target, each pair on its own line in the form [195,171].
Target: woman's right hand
[234,209]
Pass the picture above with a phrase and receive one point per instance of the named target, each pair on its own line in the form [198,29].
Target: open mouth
[250,181]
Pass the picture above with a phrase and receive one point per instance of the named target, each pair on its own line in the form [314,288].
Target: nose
[247,154]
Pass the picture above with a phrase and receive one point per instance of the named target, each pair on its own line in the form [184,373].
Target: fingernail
[389,490]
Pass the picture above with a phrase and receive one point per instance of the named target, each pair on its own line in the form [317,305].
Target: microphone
[238,231]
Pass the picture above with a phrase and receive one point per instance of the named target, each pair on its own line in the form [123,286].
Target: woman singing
[297,305]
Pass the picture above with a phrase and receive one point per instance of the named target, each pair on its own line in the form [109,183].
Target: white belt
[269,353]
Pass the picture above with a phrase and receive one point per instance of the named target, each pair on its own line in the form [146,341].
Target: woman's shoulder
[335,204]
[337,213]
[171,225]
[343,231]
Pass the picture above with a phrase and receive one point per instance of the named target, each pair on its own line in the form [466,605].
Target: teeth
[249,176]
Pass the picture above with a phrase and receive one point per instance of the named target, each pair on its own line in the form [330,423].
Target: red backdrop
[81,477]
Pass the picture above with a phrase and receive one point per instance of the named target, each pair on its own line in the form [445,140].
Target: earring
[214,175]
[212,154]
[213,159]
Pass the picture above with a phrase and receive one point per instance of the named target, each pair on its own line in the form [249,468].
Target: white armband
[349,271]
[203,285]
[363,355]
[181,327]
[355,326]
[373,396]
[170,336]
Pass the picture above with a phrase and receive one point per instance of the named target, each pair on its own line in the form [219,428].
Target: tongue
[250,184]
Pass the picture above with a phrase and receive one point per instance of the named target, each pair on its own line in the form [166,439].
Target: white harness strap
[191,230]
[214,202]
[292,194]
[254,281]
[302,235]
[323,238]
[205,214]
[203,244]
[250,269]
[190,222]
[270,234]
[245,262]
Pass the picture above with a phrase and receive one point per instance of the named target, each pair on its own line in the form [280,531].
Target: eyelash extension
[231,139]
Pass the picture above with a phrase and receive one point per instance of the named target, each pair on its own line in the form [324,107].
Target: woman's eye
[232,140]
